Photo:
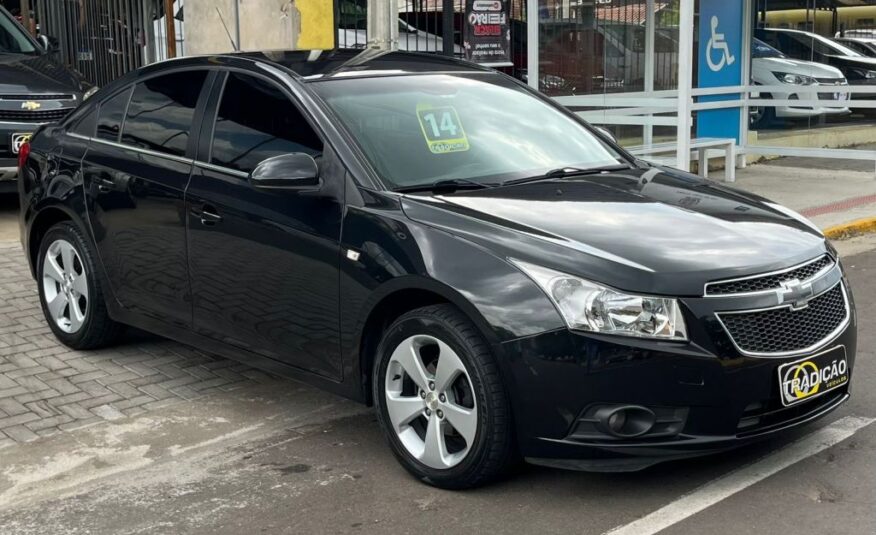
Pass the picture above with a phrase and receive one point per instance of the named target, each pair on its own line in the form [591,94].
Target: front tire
[440,400]
[70,293]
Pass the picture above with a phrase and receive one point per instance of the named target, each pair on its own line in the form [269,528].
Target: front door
[135,174]
[264,263]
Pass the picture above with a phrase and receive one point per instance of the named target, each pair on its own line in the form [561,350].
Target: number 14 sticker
[442,129]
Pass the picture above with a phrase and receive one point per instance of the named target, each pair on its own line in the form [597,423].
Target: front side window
[417,130]
[12,38]
[161,112]
[111,114]
[257,121]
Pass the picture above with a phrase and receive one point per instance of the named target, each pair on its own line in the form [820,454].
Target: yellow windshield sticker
[442,129]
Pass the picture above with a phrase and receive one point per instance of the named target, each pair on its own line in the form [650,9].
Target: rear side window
[110,115]
[161,112]
[257,121]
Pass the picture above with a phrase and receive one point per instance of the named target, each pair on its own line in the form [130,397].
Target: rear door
[135,173]
[264,263]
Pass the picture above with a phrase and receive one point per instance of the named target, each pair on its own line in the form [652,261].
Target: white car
[771,67]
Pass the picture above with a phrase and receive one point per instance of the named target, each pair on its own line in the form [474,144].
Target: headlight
[89,93]
[588,306]
[864,73]
[796,79]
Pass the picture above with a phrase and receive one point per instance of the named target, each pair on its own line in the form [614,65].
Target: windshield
[832,47]
[759,49]
[418,130]
[12,38]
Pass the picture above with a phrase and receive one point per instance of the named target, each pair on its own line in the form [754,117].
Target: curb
[854,228]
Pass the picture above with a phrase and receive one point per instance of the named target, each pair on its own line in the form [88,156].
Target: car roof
[311,65]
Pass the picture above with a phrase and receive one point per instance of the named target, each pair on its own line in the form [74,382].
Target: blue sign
[720,64]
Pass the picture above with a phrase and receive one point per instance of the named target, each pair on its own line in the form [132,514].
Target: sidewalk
[826,195]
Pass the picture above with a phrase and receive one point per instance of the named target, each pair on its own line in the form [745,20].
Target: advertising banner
[720,64]
[487,32]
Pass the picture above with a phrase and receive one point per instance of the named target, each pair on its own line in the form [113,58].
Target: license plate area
[17,139]
[813,376]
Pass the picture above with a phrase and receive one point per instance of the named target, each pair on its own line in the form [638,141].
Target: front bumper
[727,399]
[8,160]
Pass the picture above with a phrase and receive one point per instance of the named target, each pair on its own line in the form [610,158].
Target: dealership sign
[487,33]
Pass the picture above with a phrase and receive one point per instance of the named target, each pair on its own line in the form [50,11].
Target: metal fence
[104,39]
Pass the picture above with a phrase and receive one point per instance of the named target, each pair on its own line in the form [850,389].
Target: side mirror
[607,133]
[287,171]
[50,44]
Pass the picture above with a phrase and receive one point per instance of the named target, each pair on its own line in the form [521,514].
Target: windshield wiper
[562,172]
[446,186]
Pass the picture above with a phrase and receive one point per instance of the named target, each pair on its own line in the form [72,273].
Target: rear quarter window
[110,116]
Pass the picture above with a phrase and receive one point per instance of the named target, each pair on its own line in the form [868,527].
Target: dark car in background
[856,67]
[435,238]
[35,89]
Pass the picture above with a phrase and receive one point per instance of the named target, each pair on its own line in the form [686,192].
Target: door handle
[208,215]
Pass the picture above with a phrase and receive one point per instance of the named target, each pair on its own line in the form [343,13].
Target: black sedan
[434,238]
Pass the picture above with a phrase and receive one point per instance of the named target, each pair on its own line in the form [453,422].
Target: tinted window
[13,39]
[86,124]
[112,111]
[257,121]
[161,112]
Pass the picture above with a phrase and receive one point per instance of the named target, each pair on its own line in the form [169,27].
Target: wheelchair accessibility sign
[718,45]
[720,65]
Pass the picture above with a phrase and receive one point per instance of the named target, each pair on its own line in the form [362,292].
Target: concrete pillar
[264,25]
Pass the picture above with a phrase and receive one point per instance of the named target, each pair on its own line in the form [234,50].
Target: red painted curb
[838,206]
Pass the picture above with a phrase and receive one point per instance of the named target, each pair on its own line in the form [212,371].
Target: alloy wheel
[65,286]
[430,401]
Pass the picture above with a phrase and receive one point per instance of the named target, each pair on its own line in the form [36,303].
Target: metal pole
[685,82]
[383,24]
[236,5]
[171,28]
[447,21]
[650,30]
[532,43]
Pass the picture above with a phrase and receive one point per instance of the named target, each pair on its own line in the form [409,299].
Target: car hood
[24,74]
[767,66]
[648,230]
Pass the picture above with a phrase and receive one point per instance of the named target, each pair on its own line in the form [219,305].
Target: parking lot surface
[156,437]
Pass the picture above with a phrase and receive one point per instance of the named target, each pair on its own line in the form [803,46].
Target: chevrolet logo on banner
[31,105]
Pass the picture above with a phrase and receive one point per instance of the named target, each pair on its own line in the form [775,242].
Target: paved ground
[46,387]
[155,437]
[826,197]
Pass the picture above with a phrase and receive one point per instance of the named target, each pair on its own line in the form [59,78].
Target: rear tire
[71,296]
[440,399]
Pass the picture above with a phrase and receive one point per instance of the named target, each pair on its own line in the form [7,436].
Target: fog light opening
[626,422]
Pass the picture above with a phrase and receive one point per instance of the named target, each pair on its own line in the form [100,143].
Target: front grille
[25,97]
[783,330]
[831,81]
[24,116]
[769,282]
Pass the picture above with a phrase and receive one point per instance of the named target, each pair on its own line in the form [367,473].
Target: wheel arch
[44,219]
[397,297]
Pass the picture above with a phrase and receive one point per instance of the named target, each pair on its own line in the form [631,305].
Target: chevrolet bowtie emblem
[796,293]
[31,105]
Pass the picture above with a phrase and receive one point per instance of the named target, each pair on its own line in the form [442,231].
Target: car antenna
[234,45]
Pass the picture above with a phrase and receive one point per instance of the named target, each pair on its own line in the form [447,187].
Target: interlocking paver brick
[47,388]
